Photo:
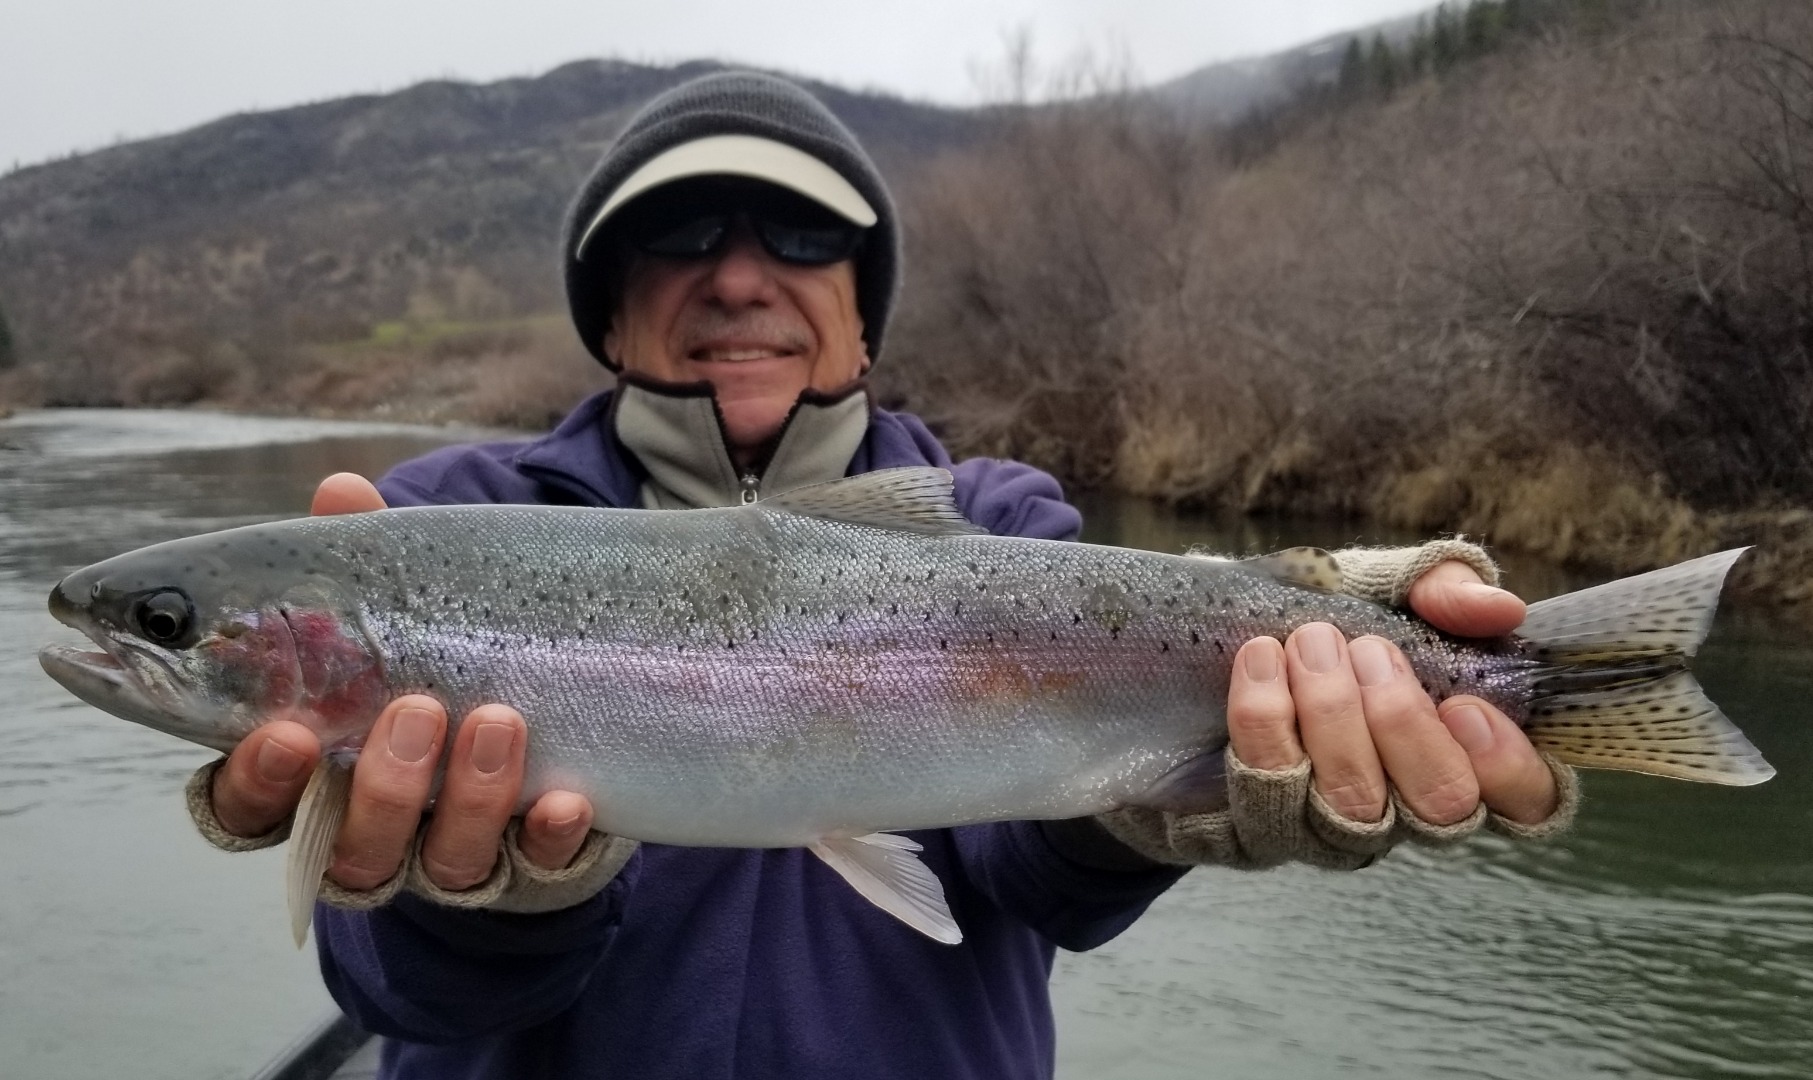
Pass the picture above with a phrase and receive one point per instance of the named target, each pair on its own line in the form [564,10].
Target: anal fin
[885,870]
[318,818]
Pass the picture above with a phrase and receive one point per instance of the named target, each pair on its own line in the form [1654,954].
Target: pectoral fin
[1198,786]
[318,818]
[884,869]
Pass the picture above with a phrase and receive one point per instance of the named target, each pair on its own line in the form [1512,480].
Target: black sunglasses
[695,223]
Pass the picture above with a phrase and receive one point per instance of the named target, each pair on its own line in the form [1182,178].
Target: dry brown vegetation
[1561,296]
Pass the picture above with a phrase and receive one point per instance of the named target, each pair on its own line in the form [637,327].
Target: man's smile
[738,354]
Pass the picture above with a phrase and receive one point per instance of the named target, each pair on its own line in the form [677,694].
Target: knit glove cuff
[1275,816]
[198,796]
[1385,575]
[514,885]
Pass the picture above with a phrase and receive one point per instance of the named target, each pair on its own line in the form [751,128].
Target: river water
[1669,935]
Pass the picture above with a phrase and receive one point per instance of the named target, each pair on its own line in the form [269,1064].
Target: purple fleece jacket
[716,963]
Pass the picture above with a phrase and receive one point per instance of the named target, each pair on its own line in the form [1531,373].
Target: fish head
[210,637]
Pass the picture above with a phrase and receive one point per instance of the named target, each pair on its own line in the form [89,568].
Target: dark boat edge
[319,1052]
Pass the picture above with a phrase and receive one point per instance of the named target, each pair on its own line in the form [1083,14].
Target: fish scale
[823,666]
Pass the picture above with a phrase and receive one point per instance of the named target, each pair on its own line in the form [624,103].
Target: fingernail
[565,826]
[1475,590]
[1261,662]
[1320,646]
[412,733]
[278,764]
[1371,661]
[1470,728]
[491,746]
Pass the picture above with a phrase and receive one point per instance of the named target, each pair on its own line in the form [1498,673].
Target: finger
[263,778]
[1332,723]
[1262,722]
[554,829]
[345,493]
[1513,779]
[1431,771]
[1452,598]
[390,788]
[484,779]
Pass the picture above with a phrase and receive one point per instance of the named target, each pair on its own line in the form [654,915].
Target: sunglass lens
[808,245]
[687,238]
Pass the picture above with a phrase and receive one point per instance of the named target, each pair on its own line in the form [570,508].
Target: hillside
[1543,274]
[147,268]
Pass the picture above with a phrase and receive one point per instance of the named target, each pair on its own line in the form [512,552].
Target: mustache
[766,328]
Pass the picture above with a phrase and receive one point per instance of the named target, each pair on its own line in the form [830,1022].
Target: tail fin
[1614,692]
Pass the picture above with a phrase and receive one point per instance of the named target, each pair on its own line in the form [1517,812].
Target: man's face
[758,329]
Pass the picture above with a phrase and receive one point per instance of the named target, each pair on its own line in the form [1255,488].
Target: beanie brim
[738,155]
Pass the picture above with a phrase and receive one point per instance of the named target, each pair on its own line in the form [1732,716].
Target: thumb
[1452,598]
[345,493]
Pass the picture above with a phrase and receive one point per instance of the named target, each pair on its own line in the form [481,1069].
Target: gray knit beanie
[733,103]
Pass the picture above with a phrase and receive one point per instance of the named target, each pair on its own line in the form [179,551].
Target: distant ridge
[312,222]
[1228,91]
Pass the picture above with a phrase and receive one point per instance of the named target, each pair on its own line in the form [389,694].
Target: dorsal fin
[916,499]
[1310,567]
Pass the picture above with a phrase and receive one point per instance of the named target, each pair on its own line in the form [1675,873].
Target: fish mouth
[102,681]
[112,687]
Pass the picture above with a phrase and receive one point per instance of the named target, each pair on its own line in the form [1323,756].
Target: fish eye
[165,617]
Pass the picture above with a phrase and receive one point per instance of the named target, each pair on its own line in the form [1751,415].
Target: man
[734,256]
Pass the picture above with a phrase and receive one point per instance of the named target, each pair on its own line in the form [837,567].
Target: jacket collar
[650,443]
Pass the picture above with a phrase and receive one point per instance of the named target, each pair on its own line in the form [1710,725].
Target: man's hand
[263,779]
[1362,717]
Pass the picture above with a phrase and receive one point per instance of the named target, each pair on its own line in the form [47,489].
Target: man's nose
[742,274]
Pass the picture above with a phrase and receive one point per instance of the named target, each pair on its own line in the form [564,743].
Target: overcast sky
[80,74]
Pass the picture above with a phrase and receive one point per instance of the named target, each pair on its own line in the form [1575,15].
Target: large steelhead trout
[822,667]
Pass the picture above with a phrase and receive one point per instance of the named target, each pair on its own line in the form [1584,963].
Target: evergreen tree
[1444,39]
[7,354]
[1416,63]
[1516,16]
[1353,79]
[1382,64]
[1480,27]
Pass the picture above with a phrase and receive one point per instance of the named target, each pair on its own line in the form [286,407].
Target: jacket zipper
[751,482]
